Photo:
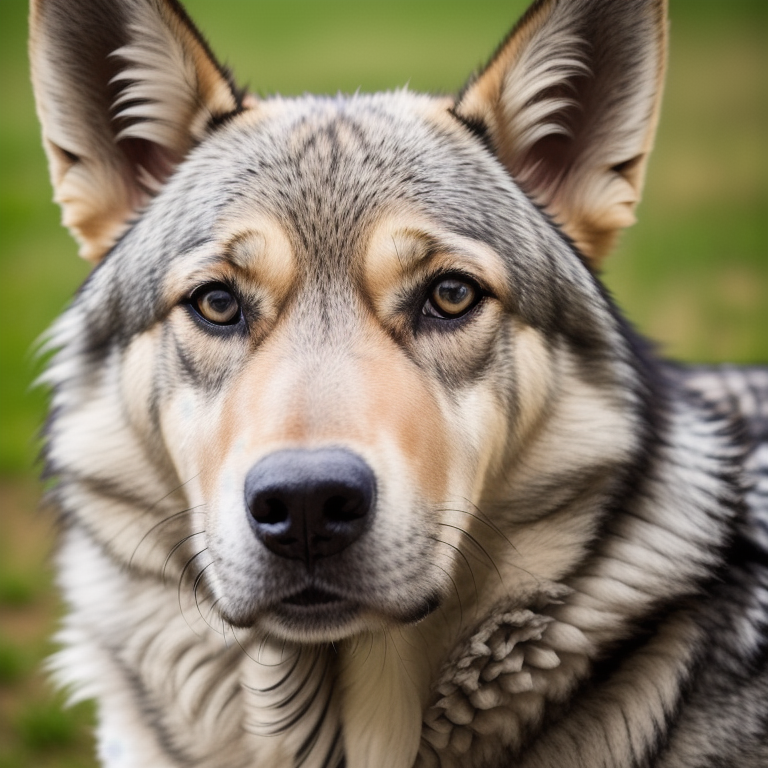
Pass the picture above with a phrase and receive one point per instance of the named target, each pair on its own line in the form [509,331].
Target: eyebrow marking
[244,248]
[414,247]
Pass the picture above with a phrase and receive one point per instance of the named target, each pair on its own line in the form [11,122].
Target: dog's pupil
[220,302]
[454,295]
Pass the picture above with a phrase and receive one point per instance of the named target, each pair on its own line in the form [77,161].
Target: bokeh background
[693,274]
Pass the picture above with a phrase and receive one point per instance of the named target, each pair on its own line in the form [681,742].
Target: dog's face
[359,349]
[350,333]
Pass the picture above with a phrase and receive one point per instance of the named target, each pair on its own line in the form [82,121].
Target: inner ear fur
[570,102]
[124,89]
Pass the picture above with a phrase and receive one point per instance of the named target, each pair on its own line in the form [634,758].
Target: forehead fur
[325,168]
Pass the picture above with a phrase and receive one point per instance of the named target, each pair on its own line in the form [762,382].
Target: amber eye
[451,297]
[216,303]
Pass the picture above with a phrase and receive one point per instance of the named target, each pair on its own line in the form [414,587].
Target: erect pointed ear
[570,102]
[124,90]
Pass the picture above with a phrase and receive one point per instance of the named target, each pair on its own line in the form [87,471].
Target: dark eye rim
[192,304]
[435,314]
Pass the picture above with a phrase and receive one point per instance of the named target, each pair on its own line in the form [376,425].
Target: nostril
[271,511]
[343,509]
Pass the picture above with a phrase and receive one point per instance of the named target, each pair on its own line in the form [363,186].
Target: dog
[356,462]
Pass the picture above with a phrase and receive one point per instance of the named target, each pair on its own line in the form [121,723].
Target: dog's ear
[570,103]
[124,90]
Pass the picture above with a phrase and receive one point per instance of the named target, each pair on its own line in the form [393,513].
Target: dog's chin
[315,615]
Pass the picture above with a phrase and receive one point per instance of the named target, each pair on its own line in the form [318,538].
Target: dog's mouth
[313,614]
[312,596]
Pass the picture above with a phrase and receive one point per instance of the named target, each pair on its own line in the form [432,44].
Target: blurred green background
[693,274]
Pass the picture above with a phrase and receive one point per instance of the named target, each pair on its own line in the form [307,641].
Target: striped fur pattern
[557,555]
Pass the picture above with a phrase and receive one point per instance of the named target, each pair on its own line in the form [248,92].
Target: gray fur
[568,562]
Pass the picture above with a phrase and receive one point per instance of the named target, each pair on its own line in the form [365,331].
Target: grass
[36,730]
[693,274]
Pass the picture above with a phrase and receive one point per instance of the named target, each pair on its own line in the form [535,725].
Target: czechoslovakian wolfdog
[357,462]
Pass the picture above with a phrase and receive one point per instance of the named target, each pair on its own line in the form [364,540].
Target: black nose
[309,504]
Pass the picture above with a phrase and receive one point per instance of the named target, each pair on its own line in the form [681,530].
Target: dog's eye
[216,303]
[451,297]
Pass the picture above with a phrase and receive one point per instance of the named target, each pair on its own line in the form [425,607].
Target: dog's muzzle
[310,504]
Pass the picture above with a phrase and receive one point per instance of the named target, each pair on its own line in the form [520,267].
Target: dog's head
[351,347]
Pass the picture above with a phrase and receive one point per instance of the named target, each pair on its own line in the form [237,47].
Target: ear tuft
[570,101]
[124,90]
[171,89]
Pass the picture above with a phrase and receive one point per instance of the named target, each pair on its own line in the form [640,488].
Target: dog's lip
[312,596]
